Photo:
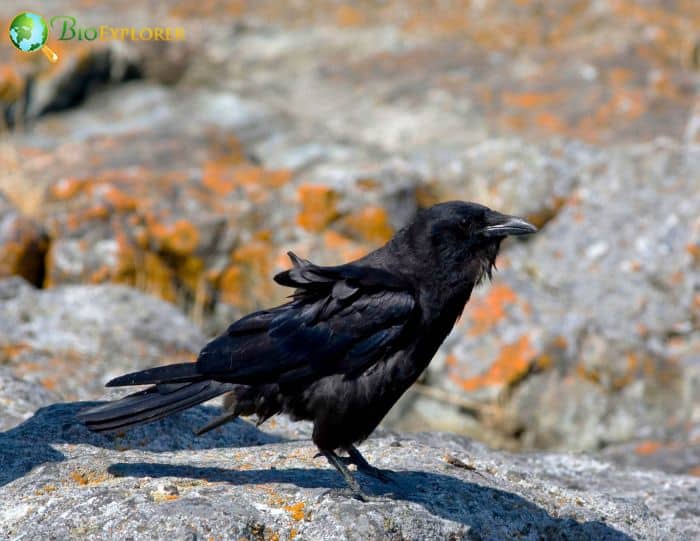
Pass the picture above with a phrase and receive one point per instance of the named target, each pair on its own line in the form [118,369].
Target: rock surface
[19,398]
[159,482]
[594,324]
[72,339]
[23,244]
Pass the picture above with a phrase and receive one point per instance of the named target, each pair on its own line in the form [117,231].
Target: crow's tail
[177,388]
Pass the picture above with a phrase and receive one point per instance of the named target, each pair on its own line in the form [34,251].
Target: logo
[29,32]
[68,28]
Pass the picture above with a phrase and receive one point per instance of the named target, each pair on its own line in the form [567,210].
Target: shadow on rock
[489,513]
[29,444]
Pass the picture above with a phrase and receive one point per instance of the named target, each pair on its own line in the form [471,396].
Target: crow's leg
[355,457]
[338,463]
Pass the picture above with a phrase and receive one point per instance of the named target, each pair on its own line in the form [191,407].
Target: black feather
[171,373]
[150,405]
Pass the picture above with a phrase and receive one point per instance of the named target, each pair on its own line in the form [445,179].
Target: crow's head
[460,240]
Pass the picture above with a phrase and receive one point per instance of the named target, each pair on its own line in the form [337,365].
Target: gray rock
[669,456]
[19,399]
[593,324]
[57,480]
[73,339]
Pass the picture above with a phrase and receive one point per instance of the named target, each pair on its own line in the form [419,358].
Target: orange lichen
[489,310]
[100,275]
[127,269]
[585,373]
[367,184]
[66,188]
[529,100]
[255,254]
[544,361]
[231,286]
[190,270]
[348,16]
[236,8]
[248,175]
[156,277]
[251,174]
[542,216]
[551,123]
[513,362]
[318,207]
[259,183]
[10,351]
[23,251]
[620,76]
[427,194]
[648,447]
[11,84]
[346,247]
[98,211]
[560,342]
[87,478]
[49,382]
[216,176]
[677,277]
[46,489]
[694,250]
[372,224]
[296,510]
[119,199]
[251,265]
[161,496]
[179,238]
[223,176]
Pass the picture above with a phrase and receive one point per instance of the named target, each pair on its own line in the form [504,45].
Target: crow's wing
[342,320]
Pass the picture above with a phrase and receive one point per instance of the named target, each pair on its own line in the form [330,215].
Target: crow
[351,340]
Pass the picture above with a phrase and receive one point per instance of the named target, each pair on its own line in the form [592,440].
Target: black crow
[346,346]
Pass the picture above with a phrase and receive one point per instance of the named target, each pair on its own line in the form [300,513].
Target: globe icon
[29,32]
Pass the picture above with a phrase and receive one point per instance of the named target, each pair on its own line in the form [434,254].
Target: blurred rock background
[187,169]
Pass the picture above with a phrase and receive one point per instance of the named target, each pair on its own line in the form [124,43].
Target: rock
[161,482]
[23,244]
[594,323]
[72,339]
[455,135]
[261,161]
[19,399]
[31,87]
[190,214]
[680,457]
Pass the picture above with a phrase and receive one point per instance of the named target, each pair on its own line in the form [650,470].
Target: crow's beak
[502,225]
